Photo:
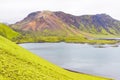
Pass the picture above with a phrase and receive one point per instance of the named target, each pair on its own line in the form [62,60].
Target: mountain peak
[44,14]
[39,14]
[103,15]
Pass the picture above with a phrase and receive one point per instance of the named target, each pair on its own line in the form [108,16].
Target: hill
[99,23]
[60,21]
[16,63]
[46,23]
[47,26]
[7,32]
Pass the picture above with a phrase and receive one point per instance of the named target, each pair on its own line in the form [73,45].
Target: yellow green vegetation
[17,63]
[92,41]
[7,32]
[81,38]
[71,39]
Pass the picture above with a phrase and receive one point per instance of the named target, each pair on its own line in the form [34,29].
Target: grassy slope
[7,32]
[16,63]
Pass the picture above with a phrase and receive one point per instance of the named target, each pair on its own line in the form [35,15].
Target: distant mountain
[66,23]
[7,32]
[99,23]
[47,26]
[46,22]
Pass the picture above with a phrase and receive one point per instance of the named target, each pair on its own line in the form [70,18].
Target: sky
[12,11]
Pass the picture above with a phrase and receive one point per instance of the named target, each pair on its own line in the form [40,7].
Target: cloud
[15,10]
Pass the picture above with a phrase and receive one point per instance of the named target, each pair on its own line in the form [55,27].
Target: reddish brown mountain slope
[45,21]
[62,23]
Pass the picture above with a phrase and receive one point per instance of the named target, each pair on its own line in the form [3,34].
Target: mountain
[45,22]
[67,23]
[98,23]
[7,32]
[16,63]
[47,26]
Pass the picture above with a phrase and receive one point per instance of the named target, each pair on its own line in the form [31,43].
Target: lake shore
[85,73]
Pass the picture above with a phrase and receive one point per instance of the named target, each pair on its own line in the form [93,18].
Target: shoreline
[86,73]
[71,43]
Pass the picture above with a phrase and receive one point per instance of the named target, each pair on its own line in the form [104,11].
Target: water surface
[81,57]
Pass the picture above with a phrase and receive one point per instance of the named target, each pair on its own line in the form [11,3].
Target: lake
[101,60]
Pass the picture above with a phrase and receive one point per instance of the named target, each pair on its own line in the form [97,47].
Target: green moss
[7,32]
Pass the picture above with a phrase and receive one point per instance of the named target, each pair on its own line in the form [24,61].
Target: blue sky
[12,11]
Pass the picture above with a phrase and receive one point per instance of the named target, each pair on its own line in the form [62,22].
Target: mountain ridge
[47,26]
[50,20]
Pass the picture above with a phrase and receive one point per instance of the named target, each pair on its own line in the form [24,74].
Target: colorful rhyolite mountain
[60,21]
[60,25]
[16,63]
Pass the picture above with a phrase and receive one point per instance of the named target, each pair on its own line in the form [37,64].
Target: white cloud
[15,10]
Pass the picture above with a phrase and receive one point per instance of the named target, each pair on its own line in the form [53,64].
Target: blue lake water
[80,57]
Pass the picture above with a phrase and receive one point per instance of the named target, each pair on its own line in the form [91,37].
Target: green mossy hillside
[7,32]
[17,63]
